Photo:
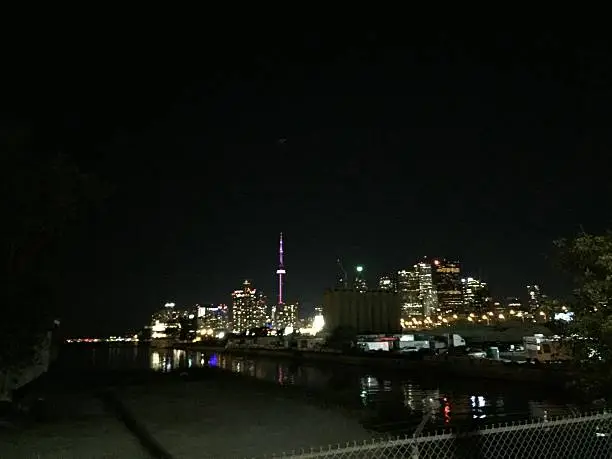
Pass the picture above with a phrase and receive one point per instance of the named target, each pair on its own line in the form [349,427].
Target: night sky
[378,149]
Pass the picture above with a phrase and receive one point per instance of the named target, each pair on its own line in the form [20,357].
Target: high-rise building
[386,284]
[534,297]
[408,291]
[476,297]
[360,284]
[213,318]
[447,281]
[262,311]
[188,322]
[428,296]
[287,316]
[165,323]
[248,308]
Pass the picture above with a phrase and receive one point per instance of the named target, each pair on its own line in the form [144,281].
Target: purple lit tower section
[280,271]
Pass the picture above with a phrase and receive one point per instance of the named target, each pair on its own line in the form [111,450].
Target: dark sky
[479,148]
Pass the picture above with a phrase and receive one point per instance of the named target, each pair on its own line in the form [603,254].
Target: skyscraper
[248,308]
[386,283]
[534,297]
[476,296]
[428,296]
[213,318]
[408,291]
[165,322]
[287,316]
[447,281]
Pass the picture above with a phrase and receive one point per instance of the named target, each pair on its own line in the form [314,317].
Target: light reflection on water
[390,403]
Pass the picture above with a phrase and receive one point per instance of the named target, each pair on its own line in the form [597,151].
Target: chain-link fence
[584,436]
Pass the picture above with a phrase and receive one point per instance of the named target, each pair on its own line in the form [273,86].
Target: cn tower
[281,270]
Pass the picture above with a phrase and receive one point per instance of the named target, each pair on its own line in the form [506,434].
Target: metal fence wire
[583,436]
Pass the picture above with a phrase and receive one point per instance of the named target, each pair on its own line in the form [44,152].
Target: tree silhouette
[41,196]
[588,260]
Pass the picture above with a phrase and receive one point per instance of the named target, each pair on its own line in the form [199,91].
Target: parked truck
[434,344]
[539,349]
[449,343]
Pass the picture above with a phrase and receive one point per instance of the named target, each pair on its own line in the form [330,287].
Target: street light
[543,314]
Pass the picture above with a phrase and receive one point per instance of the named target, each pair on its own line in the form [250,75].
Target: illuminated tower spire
[280,271]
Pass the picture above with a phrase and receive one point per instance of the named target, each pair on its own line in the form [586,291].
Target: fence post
[417,432]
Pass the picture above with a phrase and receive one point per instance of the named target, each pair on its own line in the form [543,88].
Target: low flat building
[370,312]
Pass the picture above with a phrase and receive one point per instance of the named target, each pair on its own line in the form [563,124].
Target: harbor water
[386,401]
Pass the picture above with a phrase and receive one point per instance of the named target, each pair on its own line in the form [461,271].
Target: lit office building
[447,281]
[213,318]
[428,296]
[165,323]
[386,284]
[360,284]
[286,316]
[408,292]
[534,297]
[188,323]
[476,296]
[248,308]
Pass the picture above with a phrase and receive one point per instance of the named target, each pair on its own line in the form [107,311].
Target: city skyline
[359,280]
[434,291]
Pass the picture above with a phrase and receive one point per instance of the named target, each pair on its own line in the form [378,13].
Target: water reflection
[387,399]
[422,401]
[478,406]
[166,361]
[391,402]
